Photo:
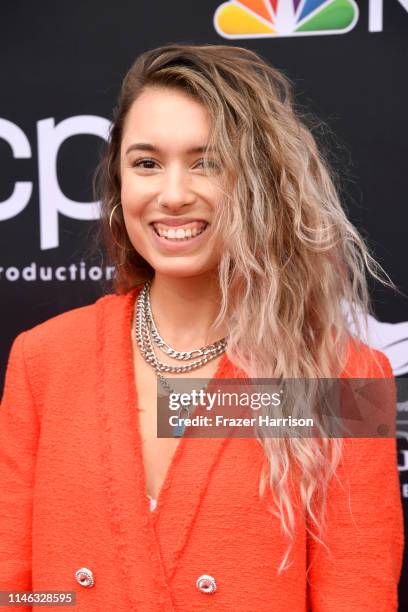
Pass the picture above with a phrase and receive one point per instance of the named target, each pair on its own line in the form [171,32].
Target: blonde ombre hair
[291,257]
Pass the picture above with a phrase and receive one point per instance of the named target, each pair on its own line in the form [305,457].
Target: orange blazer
[73,494]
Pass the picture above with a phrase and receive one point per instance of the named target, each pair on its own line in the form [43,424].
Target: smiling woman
[233,259]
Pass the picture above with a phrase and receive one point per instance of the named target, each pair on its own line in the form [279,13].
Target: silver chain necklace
[204,351]
[145,330]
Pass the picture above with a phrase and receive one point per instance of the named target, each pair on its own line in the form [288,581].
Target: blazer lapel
[179,501]
[144,579]
[186,482]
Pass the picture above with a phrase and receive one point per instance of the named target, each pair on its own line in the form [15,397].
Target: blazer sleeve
[364,532]
[19,430]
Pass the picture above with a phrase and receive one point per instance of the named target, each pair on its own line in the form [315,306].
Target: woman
[228,233]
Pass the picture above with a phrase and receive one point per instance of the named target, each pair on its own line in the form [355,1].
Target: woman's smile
[176,238]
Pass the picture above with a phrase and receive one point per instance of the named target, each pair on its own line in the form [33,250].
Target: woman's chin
[174,269]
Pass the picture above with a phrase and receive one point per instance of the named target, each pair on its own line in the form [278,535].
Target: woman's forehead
[165,117]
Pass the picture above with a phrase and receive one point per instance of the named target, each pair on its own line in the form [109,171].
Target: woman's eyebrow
[145,146]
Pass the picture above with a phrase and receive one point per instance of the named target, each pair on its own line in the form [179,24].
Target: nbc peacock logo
[277,18]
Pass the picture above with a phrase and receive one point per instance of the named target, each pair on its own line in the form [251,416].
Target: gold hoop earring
[110,225]
[111,214]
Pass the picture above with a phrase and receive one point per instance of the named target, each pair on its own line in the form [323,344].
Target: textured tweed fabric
[73,493]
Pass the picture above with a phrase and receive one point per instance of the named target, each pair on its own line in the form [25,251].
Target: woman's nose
[176,190]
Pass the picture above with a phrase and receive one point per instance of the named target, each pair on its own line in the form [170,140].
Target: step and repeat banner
[61,68]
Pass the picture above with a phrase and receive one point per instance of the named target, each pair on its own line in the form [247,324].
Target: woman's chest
[157,452]
[90,507]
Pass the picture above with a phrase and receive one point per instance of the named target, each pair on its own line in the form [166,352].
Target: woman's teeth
[179,233]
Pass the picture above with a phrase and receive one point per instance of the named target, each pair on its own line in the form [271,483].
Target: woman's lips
[177,221]
[173,231]
[175,244]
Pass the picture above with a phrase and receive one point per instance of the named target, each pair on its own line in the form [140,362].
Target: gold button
[85,577]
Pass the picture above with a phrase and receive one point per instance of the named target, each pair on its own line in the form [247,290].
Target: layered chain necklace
[146,334]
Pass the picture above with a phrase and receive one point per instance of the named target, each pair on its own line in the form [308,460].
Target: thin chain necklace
[146,330]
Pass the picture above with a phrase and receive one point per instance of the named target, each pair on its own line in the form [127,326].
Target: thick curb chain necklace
[146,330]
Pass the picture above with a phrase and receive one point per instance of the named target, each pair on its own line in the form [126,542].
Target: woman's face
[169,187]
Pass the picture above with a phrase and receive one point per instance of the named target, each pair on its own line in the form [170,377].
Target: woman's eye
[209,164]
[147,164]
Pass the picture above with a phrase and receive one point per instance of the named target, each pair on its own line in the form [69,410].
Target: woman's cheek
[130,194]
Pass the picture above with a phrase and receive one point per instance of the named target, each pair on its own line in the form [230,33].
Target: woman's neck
[185,308]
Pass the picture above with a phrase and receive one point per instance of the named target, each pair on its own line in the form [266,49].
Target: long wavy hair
[291,259]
